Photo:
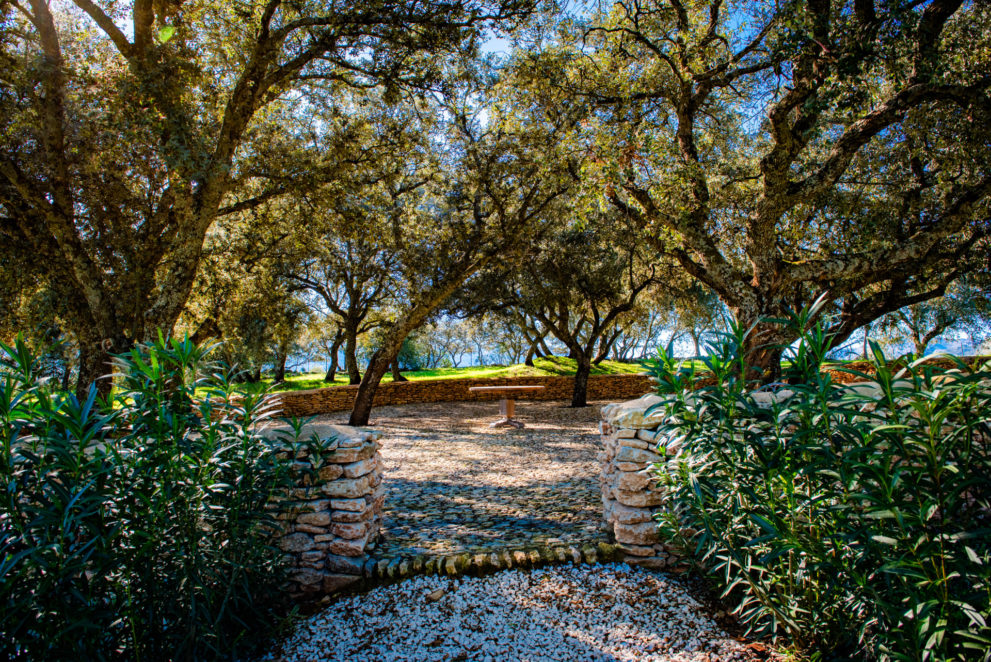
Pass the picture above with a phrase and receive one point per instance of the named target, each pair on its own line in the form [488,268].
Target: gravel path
[454,485]
[610,612]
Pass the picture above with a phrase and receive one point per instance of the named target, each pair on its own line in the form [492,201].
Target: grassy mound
[550,366]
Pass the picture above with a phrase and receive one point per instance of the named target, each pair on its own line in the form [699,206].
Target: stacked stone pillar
[631,496]
[330,519]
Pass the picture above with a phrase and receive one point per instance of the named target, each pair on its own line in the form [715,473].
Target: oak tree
[785,151]
[125,127]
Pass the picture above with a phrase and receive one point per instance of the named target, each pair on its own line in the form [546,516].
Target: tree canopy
[782,152]
[263,171]
[128,129]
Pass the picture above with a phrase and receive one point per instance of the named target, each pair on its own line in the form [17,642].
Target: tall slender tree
[502,173]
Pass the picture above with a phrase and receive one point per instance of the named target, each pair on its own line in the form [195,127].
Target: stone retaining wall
[331,518]
[341,398]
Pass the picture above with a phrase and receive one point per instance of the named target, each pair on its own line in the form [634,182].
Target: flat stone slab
[635,414]
[454,485]
[345,435]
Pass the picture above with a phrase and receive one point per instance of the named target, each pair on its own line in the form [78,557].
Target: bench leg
[507,408]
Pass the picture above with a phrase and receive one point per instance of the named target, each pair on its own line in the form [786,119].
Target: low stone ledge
[625,419]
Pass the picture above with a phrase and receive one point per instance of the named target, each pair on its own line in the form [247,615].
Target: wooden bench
[507,406]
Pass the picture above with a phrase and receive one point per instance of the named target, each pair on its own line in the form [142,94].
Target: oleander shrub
[850,523]
[137,528]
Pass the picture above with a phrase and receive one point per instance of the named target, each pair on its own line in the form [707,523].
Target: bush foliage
[852,522]
[135,529]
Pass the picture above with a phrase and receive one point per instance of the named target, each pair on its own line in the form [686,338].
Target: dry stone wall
[631,497]
[341,398]
[330,519]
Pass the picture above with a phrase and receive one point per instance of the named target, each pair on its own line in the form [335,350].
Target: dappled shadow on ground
[455,485]
[443,517]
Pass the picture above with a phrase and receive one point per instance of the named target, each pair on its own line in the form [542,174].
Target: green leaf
[885,539]
[165,33]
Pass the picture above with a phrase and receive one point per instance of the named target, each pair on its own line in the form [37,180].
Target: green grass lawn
[554,365]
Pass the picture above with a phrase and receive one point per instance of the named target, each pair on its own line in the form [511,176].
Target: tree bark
[393,341]
[529,354]
[334,349]
[281,355]
[206,330]
[696,341]
[351,354]
[762,350]
[94,368]
[396,374]
[764,364]
[363,399]
[66,372]
[605,346]
[96,362]
[579,396]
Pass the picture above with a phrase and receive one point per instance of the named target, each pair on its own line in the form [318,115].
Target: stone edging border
[378,572]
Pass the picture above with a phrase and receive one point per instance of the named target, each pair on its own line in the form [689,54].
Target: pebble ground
[454,485]
[610,612]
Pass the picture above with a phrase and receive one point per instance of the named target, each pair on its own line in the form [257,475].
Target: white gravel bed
[591,612]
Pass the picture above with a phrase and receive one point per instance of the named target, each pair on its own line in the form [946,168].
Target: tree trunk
[529,354]
[697,342]
[206,330]
[394,337]
[923,343]
[66,374]
[764,364]
[94,368]
[351,354]
[579,396]
[762,350]
[376,369]
[256,376]
[331,375]
[96,363]
[281,355]
[396,374]
[605,346]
